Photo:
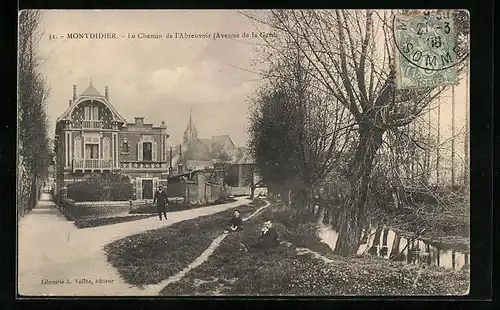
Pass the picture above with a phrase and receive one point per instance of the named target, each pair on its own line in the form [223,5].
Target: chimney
[70,101]
[139,121]
[106,92]
[74,92]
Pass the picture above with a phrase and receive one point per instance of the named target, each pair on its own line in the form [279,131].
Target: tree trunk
[438,140]
[395,249]
[353,214]
[466,140]
[452,136]
[252,186]
[33,195]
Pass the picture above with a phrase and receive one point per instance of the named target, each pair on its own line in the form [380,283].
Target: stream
[384,242]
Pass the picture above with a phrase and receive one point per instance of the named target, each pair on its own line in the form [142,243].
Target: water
[384,242]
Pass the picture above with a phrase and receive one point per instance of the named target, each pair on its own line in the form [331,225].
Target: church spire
[190,133]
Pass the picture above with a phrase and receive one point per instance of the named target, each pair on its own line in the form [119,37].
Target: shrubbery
[102,187]
[66,206]
[75,212]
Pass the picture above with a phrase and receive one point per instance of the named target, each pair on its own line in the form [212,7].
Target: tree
[32,120]
[350,57]
[297,134]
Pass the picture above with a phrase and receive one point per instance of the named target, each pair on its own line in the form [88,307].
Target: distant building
[201,153]
[92,137]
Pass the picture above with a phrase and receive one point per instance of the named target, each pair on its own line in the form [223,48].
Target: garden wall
[86,210]
[240,191]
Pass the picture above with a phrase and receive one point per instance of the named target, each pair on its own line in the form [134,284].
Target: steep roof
[245,159]
[222,139]
[91,92]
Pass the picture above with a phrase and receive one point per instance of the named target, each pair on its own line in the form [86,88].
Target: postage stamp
[426,50]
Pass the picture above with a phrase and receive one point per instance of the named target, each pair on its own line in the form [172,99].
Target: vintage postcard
[243,153]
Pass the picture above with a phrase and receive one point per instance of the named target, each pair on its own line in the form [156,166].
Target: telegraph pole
[170,168]
[180,159]
[453,136]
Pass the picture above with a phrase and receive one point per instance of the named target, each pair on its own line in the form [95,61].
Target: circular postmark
[428,40]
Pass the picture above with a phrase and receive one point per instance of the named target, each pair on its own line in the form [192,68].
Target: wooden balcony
[89,125]
[92,165]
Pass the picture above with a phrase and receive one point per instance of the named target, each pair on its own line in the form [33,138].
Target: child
[268,237]
[236,222]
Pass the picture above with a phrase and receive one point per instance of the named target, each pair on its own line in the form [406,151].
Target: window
[147,151]
[91,151]
[125,146]
[106,149]
[77,148]
[91,113]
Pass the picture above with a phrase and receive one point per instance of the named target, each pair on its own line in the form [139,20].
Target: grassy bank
[153,256]
[89,223]
[283,271]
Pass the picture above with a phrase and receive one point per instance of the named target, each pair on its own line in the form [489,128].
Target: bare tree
[466,138]
[297,133]
[453,135]
[350,56]
[438,155]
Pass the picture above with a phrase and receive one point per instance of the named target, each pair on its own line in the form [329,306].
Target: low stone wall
[88,210]
[240,191]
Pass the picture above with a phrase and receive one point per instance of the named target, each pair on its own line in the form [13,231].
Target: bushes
[66,206]
[102,187]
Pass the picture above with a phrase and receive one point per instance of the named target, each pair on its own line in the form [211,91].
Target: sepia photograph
[243,153]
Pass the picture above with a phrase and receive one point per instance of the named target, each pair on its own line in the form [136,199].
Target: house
[92,137]
[241,174]
[196,187]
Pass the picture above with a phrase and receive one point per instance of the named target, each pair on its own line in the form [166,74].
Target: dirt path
[57,259]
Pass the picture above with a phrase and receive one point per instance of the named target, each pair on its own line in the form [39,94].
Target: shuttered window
[138,188]
[154,151]
[77,153]
[106,150]
[139,151]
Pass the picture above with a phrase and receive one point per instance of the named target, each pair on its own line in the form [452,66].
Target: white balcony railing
[92,164]
[92,124]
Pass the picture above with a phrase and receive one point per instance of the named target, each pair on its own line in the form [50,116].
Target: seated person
[268,237]
[236,222]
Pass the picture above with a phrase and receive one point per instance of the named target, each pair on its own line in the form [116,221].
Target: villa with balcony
[92,137]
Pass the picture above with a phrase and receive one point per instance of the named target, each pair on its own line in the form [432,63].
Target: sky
[159,79]
[163,79]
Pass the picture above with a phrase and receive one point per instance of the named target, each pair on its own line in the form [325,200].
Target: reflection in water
[383,242]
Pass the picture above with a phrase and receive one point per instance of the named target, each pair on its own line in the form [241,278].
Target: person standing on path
[161,201]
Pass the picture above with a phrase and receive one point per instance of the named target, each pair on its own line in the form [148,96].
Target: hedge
[102,187]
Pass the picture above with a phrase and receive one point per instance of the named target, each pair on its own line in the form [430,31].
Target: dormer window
[91,113]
